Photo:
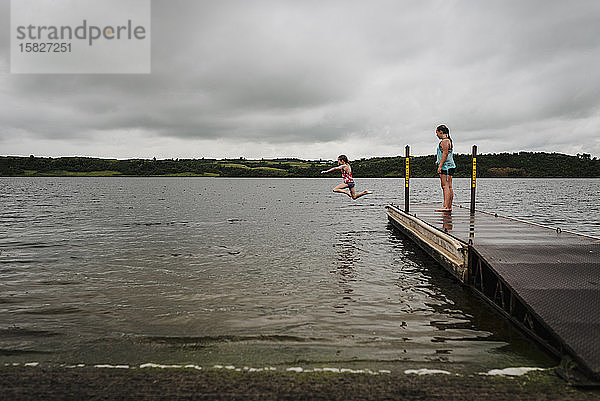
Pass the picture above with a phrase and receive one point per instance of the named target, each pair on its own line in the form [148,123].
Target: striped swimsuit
[347,178]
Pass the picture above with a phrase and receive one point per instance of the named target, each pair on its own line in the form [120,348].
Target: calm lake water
[251,272]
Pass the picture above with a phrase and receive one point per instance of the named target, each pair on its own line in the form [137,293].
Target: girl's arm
[445,150]
[331,169]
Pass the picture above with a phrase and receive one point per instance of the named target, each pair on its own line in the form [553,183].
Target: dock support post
[473,179]
[407,179]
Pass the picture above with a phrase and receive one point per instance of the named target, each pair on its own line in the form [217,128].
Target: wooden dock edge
[465,263]
[447,250]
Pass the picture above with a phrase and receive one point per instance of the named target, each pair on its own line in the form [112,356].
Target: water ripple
[134,268]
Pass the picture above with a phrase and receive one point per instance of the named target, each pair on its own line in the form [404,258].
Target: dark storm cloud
[512,75]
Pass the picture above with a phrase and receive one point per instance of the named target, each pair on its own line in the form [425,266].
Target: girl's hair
[343,158]
[444,129]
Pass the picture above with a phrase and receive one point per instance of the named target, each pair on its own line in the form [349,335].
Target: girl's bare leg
[449,193]
[341,189]
[446,181]
[356,196]
[443,182]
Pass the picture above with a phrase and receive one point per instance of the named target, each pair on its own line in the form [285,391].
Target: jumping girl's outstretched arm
[332,169]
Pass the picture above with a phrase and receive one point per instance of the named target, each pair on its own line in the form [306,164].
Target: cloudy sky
[313,79]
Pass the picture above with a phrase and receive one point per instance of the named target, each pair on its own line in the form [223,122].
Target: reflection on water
[344,269]
[239,271]
[447,221]
[471,228]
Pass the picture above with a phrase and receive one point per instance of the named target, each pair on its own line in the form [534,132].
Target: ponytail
[445,131]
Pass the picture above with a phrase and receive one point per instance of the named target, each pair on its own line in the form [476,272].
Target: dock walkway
[545,280]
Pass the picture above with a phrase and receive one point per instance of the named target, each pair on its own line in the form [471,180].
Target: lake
[252,272]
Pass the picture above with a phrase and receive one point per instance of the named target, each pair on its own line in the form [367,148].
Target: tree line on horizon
[522,164]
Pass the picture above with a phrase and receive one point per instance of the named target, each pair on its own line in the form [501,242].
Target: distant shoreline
[503,165]
[263,177]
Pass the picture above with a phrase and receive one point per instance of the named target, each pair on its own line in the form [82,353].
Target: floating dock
[545,280]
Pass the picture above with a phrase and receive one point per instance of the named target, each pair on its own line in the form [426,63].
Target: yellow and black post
[406,179]
[474,179]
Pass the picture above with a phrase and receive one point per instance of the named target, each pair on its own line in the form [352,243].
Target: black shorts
[449,172]
[350,185]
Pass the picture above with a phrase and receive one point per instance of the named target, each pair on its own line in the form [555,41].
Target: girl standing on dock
[446,166]
[344,166]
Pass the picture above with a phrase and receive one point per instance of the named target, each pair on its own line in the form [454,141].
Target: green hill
[522,164]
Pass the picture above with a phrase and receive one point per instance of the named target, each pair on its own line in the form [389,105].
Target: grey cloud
[288,72]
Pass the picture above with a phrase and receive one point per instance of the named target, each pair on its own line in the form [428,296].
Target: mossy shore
[41,383]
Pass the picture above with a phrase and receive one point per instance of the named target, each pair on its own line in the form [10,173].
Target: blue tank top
[449,163]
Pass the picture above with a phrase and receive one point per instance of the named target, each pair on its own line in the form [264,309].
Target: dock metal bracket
[484,281]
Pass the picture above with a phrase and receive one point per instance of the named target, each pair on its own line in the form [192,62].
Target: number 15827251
[45,47]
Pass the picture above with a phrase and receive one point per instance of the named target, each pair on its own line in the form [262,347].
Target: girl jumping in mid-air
[344,166]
